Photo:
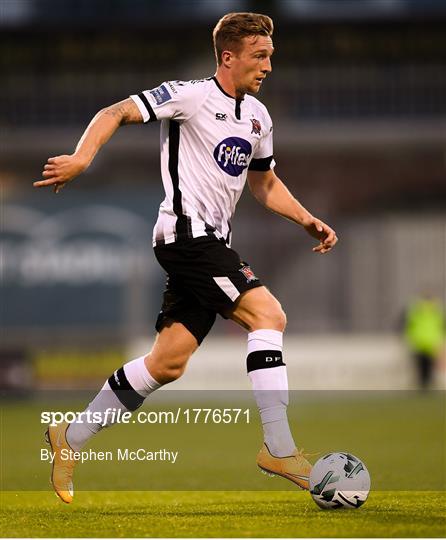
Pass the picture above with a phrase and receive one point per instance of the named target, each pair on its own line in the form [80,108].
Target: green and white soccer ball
[339,480]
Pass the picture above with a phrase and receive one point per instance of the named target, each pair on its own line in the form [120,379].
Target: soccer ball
[339,480]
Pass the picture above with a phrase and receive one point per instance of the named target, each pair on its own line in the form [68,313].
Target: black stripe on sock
[124,391]
[152,115]
[264,360]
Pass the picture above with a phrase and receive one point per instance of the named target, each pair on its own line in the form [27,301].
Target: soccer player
[215,135]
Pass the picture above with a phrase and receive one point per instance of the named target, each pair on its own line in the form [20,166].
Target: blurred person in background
[424,332]
[214,136]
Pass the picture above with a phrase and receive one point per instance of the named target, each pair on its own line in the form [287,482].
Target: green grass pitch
[215,490]
[220,514]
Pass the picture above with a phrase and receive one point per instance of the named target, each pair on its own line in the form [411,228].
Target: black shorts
[204,277]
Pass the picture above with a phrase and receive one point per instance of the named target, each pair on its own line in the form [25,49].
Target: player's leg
[221,282]
[256,309]
[172,349]
[261,314]
[128,386]
[125,390]
[424,364]
[182,325]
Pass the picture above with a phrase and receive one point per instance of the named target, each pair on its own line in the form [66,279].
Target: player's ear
[226,58]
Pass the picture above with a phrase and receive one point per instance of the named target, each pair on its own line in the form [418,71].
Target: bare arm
[59,170]
[270,191]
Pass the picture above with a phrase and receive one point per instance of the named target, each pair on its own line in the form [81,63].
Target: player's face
[252,64]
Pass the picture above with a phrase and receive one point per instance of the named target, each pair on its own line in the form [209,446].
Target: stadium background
[357,96]
[358,100]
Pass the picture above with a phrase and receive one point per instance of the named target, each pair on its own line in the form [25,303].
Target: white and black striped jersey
[209,140]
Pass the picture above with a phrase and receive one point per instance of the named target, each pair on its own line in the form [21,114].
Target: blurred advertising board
[78,261]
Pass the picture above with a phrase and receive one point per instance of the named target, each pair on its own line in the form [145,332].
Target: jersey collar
[220,87]
[237,100]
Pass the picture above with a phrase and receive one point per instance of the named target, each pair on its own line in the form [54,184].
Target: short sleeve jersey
[209,140]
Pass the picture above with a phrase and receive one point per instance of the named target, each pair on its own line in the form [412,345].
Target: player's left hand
[322,232]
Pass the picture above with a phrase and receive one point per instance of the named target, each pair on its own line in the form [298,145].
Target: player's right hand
[60,170]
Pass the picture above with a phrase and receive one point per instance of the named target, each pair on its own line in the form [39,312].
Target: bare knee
[272,318]
[166,370]
[258,309]
[280,320]
[170,373]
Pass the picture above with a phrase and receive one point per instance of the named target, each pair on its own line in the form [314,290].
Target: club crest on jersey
[248,273]
[232,155]
[256,127]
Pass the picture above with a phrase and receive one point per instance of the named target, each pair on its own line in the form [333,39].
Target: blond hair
[233,27]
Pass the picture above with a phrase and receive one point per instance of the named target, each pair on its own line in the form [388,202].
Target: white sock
[139,377]
[268,376]
[125,390]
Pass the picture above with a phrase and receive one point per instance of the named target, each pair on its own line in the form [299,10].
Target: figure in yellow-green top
[425,335]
